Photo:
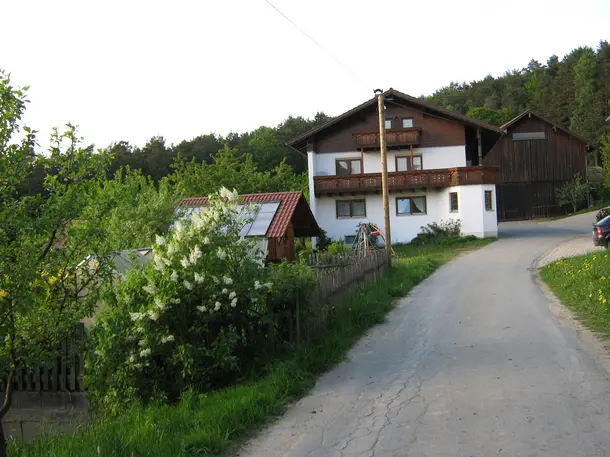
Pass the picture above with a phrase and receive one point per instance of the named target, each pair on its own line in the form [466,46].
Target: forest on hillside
[573,91]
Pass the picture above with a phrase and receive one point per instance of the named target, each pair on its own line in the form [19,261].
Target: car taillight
[598,229]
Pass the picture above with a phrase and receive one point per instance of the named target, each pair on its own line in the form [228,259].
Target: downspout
[479,146]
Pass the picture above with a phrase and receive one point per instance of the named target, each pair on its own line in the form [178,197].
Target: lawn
[583,285]
[215,423]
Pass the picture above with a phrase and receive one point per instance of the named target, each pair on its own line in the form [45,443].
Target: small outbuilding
[278,219]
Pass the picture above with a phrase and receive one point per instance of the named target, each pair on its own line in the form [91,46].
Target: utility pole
[384,177]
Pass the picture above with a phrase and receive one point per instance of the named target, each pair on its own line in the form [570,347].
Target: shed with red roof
[284,216]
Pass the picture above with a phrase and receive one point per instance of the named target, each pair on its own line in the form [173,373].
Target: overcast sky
[128,70]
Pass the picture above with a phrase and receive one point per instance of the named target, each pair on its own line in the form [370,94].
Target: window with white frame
[388,124]
[407,123]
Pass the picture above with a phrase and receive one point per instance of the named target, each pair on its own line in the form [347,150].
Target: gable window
[453,202]
[407,123]
[489,200]
[410,205]
[529,136]
[349,167]
[351,208]
[388,124]
[408,163]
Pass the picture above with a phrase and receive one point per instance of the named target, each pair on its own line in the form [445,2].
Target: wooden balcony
[401,180]
[392,137]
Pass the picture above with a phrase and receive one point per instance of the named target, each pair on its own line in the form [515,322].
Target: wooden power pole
[384,177]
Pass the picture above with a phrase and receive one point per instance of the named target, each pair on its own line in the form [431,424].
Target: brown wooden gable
[434,131]
[556,158]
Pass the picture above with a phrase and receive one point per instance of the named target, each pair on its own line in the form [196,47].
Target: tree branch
[8,395]
[48,246]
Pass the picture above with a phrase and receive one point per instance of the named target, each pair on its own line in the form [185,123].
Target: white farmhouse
[434,169]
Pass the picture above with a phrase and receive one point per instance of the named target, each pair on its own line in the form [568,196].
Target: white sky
[128,70]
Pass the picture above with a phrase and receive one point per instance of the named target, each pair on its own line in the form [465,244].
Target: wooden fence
[335,281]
[64,375]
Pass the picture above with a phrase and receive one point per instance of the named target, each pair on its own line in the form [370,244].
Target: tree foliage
[573,91]
[43,238]
[573,193]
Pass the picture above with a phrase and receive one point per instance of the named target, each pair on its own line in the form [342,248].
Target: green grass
[583,285]
[215,423]
[597,206]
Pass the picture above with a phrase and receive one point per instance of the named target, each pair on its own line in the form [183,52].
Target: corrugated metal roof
[288,204]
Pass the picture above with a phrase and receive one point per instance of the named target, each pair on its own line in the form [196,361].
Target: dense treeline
[573,91]
[265,145]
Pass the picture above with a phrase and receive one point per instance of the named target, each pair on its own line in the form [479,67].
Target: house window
[351,208]
[388,124]
[410,205]
[349,239]
[349,167]
[489,200]
[408,163]
[407,123]
[453,202]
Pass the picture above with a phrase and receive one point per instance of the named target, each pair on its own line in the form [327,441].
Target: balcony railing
[400,180]
[392,138]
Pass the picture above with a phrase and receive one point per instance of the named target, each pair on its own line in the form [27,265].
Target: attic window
[388,124]
[529,136]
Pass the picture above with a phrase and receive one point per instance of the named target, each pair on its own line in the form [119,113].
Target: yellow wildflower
[3,293]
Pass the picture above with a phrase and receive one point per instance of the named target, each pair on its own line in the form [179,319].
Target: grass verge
[596,207]
[583,285]
[214,423]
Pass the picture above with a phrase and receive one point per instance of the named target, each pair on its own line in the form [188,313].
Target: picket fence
[64,374]
[336,278]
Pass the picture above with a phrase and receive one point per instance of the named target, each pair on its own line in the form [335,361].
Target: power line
[345,67]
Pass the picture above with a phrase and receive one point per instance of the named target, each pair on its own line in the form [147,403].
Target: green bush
[338,247]
[187,319]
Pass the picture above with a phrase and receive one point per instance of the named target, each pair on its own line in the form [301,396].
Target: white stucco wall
[442,157]
[471,201]
[490,218]
[476,220]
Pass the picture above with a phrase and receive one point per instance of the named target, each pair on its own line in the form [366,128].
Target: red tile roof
[289,201]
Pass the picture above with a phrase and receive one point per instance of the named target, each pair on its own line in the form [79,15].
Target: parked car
[601,232]
[602,213]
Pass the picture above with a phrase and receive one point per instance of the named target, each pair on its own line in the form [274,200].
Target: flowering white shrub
[182,321]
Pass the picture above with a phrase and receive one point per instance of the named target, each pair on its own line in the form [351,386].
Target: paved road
[471,364]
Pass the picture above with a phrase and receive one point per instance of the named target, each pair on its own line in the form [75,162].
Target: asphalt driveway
[472,363]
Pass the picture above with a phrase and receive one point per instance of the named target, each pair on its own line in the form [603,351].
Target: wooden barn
[278,219]
[536,156]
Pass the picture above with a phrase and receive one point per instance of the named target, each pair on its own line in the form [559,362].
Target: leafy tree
[43,237]
[604,150]
[573,193]
[492,116]
[138,208]
[586,118]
